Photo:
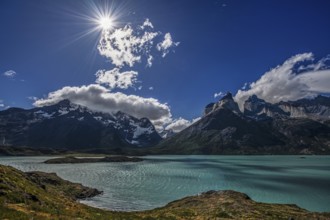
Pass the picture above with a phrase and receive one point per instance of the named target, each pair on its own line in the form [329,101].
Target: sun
[105,23]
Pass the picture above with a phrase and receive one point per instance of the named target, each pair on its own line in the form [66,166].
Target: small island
[107,159]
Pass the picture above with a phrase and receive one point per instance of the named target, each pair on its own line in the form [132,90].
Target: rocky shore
[38,195]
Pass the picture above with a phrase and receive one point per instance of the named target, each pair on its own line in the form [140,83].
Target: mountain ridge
[262,128]
[68,125]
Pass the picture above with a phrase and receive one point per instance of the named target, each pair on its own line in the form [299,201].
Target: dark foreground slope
[38,195]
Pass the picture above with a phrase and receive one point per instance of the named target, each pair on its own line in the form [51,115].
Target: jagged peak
[228,102]
[64,102]
[210,105]
[227,96]
[255,98]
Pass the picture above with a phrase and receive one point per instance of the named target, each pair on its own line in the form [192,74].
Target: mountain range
[292,127]
[71,126]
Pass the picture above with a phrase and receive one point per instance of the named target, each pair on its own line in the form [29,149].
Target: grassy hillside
[38,195]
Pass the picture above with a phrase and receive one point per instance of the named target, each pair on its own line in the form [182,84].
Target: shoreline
[43,192]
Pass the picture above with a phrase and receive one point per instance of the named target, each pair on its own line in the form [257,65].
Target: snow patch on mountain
[140,131]
[45,114]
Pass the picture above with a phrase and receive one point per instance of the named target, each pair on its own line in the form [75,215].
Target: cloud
[178,125]
[99,98]
[125,46]
[298,77]
[166,44]
[10,74]
[33,98]
[149,61]
[116,79]
[1,104]
[245,86]
[151,88]
[146,23]
[219,94]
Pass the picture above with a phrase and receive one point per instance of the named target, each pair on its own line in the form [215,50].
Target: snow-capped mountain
[317,108]
[260,109]
[297,127]
[226,101]
[68,125]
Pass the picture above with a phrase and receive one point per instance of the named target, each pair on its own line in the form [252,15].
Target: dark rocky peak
[208,108]
[255,99]
[228,102]
[253,103]
[145,122]
[228,96]
[122,115]
[64,103]
[260,109]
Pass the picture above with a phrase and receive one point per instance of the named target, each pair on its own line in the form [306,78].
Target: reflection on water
[161,179]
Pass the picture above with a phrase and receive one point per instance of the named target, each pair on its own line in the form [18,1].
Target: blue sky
[221,45]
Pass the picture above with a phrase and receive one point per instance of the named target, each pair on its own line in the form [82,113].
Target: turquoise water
[162,179]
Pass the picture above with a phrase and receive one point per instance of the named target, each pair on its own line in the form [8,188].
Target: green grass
[46,196]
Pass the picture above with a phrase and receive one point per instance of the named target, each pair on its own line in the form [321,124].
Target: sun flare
[105,22]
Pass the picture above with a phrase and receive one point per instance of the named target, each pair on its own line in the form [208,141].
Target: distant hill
[295,127]
[69,126]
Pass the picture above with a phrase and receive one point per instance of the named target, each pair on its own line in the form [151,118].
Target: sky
[162,59]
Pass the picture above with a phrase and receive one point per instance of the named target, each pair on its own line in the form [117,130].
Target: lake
[162,179]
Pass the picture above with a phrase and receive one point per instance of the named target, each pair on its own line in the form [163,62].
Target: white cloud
[146,23]
[151,88]
[219,94]
[10,74]
[149,61]
[166,44]
[290,81]
[33,98]
[99,98]
[178,125]
[116,79]
[125,46]
[245,86]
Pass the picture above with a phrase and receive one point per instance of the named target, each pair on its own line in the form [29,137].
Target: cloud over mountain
[298,77]
[123,47]
[178,125]
[99,98]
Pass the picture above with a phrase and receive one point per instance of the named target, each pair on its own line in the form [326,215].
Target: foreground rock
[112,159]
[38,195]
